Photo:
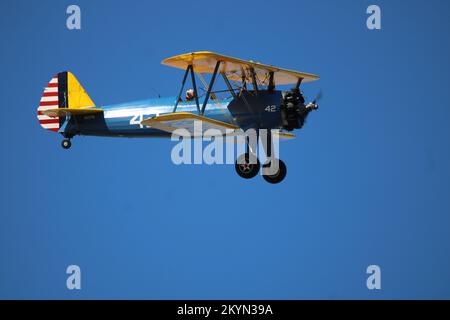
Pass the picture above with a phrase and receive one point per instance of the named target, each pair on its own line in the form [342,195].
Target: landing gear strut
[247,165]
[66,144]
[274,171]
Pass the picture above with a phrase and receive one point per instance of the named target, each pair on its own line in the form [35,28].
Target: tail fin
[63,91]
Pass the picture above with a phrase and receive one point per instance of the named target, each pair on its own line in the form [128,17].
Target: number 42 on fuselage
[252,103]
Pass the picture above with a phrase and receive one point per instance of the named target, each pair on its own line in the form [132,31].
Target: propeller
[318,97]
[313,105]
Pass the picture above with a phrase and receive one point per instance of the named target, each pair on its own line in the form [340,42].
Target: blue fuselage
[124,120]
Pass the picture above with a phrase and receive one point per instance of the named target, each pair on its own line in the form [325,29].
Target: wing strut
[227,82]
[182,87]
[299,82]
[189,69]
[255,85]
[195,89]
[271,86]
[211,84]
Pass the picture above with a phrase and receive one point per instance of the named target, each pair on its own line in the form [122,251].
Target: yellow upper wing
[205,62]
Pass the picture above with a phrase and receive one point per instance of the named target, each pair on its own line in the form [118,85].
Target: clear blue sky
[368,179]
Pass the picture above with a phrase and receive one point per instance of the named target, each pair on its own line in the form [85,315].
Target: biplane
[251,101]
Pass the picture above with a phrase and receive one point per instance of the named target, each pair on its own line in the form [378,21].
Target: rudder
[63,91]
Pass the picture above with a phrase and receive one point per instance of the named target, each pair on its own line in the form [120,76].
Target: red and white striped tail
[49,100]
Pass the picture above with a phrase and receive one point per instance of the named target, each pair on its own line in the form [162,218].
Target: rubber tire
[252,171]
[66,144]
[279,176]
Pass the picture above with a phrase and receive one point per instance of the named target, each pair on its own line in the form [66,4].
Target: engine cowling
[293,109]
[270,109]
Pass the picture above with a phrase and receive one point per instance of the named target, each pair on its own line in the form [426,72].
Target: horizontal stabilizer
[64,112]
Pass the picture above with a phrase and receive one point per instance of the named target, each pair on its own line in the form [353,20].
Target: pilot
[190,95]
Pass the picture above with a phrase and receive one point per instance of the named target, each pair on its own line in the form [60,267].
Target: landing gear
[279,174]
[246,167]
[66,144]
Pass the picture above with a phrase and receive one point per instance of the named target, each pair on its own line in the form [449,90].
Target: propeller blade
[318,97]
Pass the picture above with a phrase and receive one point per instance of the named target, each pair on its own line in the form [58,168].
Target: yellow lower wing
[64,112]
[189,124]
[284,135]
[192,125]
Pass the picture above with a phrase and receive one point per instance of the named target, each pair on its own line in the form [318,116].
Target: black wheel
[245,169]
[66,144]
[277,177]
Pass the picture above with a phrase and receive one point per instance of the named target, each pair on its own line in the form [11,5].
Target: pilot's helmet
[190,94]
